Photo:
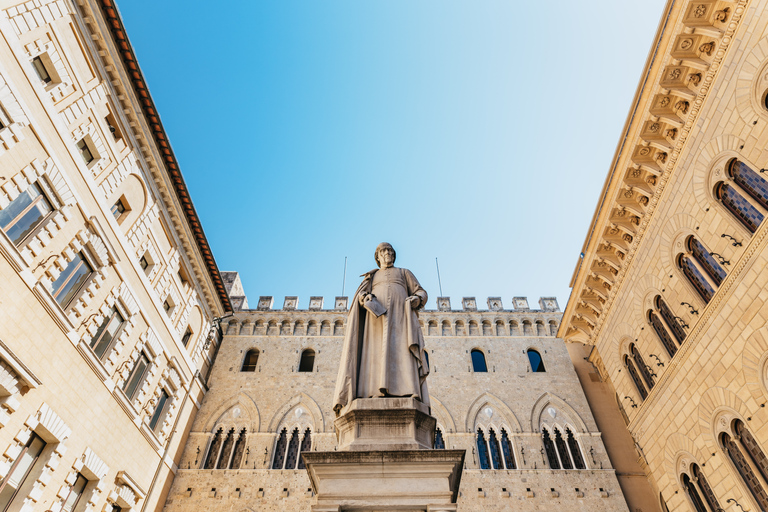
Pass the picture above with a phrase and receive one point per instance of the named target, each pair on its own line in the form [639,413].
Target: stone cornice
[683,65]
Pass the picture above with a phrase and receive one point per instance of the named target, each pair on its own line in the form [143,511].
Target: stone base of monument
[371,424]
[373,481]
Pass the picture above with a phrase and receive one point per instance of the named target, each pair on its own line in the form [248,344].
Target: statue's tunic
[383,356]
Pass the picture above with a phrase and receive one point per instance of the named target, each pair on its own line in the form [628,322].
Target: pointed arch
[248,415]
[548,399]
[714,402]
[753,362]
[311,406]
[442,414]
[502,414]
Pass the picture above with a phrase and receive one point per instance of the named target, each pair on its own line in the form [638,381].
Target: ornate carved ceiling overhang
[688,51]
[128,57]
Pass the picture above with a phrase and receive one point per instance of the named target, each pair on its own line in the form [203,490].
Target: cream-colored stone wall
[718,373]
[508,396]
[52,383]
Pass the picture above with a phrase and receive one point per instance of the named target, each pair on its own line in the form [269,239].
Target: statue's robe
[383,356]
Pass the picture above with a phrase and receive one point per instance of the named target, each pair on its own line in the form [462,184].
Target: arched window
[279,457]
[537,365]
[499,328]
[250,361]
[562,450]
[446,328]
[288,453]
[506,449]
[706,490]
[573,446]
[478,361]
[701,269]
[439,441]
[540,330]
[482,450]
[693,494]
[307,362]
[635,376]
[226,451]
[671,319]
[731,194]
[549,448]
[306,445]
[645,370]
[743,466]
[661,331]
[493,444]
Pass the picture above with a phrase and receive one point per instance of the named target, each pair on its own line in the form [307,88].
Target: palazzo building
[134,375]
[670,294]
[502,387]
[108,289]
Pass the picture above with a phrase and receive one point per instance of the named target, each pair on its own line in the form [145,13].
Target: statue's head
[384,245]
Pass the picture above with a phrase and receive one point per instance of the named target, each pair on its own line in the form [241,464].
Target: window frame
[305,356]
[480,351]
[44,195]
[33,436]
[115,312]
[76,292]
[79,494]
[541,367]
[141,377]
[161,410]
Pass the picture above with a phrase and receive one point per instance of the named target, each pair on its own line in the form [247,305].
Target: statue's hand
[363,298]
[415,301]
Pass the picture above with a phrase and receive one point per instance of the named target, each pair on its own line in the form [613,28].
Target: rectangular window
[118,208]
[41,70]
[113,128]
[162,403]
[136,378]
[107,333]
[24,213]
[75,493]
[71,279]
[167,306]
[144,263]
[20,470]
[85,151]
[187,336]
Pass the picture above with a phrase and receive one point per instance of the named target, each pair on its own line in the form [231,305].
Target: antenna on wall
[438,277]
[344,281]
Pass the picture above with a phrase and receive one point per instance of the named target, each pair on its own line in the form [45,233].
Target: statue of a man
[383,353]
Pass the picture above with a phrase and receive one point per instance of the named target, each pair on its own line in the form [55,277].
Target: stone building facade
[108,290]
[271,393]
[670,297]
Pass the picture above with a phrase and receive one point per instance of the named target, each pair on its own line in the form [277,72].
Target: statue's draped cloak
[383,356]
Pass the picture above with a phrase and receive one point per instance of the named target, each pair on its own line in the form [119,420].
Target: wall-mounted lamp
[693,310]
[735,242]
[634,405]
[720,258]
[658,361]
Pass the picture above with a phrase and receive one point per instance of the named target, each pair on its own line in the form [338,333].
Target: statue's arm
[415,289]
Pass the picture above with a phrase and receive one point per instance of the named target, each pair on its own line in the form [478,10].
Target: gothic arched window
[250,360]
[706,261]
[237,453]
[226,451]
[744,206]
[213,451]
[306,445]
[537,364]
[562,450]
[307,362]
[478,361]
[493,444]
[743,466]
[439,441]
[573,446]
[635,376]
[739,206]
[482,450]
[287,453]
[645,370]
[506,449]
[549,448]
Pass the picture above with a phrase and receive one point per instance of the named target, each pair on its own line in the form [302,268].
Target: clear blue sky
[478,132]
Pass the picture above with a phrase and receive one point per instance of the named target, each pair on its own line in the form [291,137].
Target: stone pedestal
[378,424]
[374,481]
[385,461]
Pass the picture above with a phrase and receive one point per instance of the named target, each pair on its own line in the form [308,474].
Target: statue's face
[386,256]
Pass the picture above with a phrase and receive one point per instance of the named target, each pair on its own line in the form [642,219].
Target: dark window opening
[537,365]
[307,362]
[478,361]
